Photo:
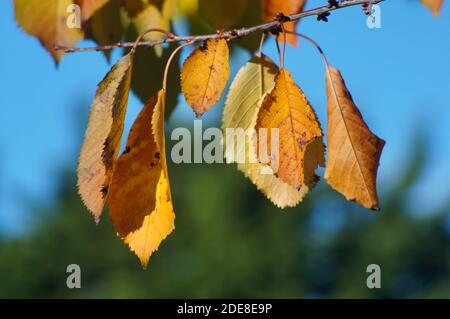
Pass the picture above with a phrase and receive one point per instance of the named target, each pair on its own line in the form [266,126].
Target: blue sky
[398,75]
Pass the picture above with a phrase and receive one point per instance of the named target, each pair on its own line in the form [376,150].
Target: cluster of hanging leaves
[135,184]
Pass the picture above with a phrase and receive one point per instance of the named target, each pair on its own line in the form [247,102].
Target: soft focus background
[229,240]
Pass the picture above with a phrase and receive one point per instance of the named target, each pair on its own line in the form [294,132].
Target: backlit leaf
[272,7]
[241,109]
[353,150]
[139,199]
[47,20]
[300,137]
[104,132]
[205,74]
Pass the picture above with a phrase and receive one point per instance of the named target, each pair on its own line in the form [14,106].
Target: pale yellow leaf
[241,109]
[353,150]
[104,132]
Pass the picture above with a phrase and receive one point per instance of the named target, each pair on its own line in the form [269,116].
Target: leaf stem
[169,61]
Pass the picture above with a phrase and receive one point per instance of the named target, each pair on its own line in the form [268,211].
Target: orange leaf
[272,7]
[434,6]
[139,197]
[205,74]
[102,140]
[353,150]
[301,148]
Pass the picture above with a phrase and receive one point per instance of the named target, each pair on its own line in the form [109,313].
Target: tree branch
[228,35]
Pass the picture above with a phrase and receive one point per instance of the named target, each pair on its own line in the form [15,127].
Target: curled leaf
[251,83]
[353,150]
[139,200]
[205,74]
[301,148]
[104,132]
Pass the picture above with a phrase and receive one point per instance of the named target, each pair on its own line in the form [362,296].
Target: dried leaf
[353,150]
[46,19]
[89,7]
[102,140]
[139,199]
[205,74]
[434,6]
[241,109]
[272,7]
[300,137]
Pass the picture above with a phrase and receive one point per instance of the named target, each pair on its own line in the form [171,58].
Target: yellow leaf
[433,5]
[102,140]
[243,102]
[105,25]
[139,198]
[205,74]
[272,7]
[47,20]
[353,150]
[89,7]
[301,148]
[150,18]
[223,14]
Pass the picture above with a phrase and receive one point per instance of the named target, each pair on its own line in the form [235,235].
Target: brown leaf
[301,148]
[102,140]
[205,74]
[272,7]
[353,150]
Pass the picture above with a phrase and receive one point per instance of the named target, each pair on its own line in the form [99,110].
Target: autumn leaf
[89,7]
[433,5]
[272,7]
[241,109]
[105,26]
[223,14]
[205,74]
[287,109]
[102,139]
[353,150]
[46,19]
[139,197]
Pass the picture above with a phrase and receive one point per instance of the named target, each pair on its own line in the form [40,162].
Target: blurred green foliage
[231,242]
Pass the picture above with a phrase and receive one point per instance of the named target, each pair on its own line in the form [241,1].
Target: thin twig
[228,35]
